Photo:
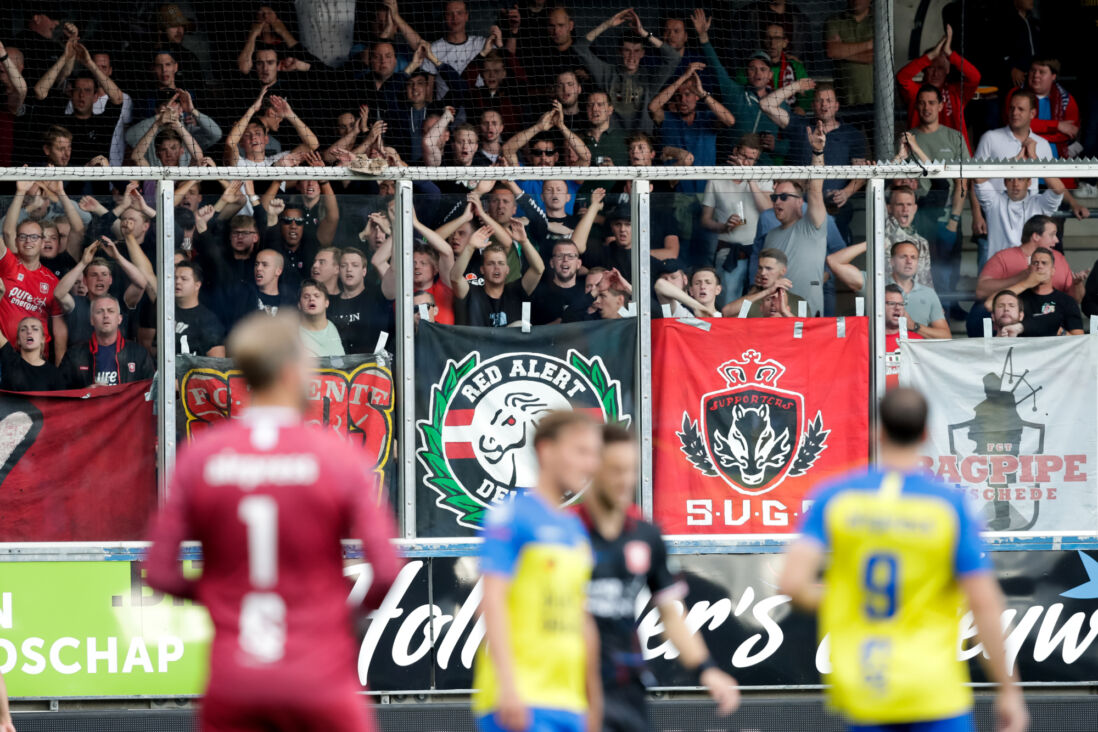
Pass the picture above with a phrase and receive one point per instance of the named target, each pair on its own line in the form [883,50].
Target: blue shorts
[963,723]
[541,720]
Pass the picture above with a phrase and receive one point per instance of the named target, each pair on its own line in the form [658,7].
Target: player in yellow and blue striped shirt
[905,560]
[539,669]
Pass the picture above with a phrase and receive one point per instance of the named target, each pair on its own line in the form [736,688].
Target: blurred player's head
[903,418]
[567,444]
[271,358]
[616,480]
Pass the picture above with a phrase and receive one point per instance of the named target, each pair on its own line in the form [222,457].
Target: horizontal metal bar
[134,551]
[985,169]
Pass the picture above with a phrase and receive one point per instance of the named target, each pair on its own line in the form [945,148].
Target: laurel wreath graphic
[452,495]
[693,446]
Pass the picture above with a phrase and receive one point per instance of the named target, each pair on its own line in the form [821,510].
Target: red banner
[77,465]
[750,415]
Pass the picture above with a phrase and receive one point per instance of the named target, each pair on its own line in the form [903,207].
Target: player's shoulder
[924,485]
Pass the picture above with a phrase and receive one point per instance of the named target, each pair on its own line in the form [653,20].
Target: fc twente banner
[749,415]
[480,393]
[77,465]
[352,395]
[1014,423]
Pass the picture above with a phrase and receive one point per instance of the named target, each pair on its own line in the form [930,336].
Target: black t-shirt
[552,301]
[568,220]
[361,319]
[1056,302]
[480,310]
[610,256]
[18,375]
[197,330]
[637,558]
[59,265]
[91,136]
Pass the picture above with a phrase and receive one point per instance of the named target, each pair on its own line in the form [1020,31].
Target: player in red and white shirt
[894,313]
[269,498]
[28,285]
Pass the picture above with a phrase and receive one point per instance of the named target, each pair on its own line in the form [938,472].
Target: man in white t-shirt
[731,209]
[1005,143]
[456,48]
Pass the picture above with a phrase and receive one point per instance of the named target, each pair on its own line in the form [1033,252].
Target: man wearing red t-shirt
[269,498]
[28,285]
[894,312]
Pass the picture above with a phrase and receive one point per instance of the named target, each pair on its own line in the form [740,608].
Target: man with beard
[630,556]
[98,279]
[562,292]
[1008,318]
[770,279]
[358,314]
[924,309]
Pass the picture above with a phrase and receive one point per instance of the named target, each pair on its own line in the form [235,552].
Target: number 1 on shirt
[262,614]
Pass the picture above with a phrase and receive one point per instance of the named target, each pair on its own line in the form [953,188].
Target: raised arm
[535,265]
[432,139]
[440,245]
[232,154]
[62,292]
[480,239]
[612,22]
[42,88]
[655,107]
[447,229]
[413,38]
[817,210]
[840,265]
[133,247]
[520,140]
[571,139]
[11,218]
[674,292]
[771,104]
[106,83]
[721,112]
[582,231]
[246,58]
[72,215]
[306,135]
[141,149]
[18,83]
[138,280]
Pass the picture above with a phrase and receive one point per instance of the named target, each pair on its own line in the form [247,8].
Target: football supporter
[894,314]
[1044,299]
[98,278]
[359,314]
[197,329]
[905,562]
[325,270]
[630,555]
[770,281]
[705,287]
[319,335]
[557,295]
[935,66]
[107,359]
[23,367]
[28,286]
[1008,318]
[539,667]
[497,303]
[270,498]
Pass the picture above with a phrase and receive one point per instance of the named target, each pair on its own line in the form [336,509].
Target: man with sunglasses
[802,232]
[286,232]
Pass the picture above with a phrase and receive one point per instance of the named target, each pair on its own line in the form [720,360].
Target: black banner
[479,395]
[420,643]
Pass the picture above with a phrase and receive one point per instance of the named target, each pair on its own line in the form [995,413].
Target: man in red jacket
[935,65]
[1057,113]
[269,498]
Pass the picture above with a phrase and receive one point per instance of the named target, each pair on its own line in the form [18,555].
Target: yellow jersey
[546,555]
[892,604]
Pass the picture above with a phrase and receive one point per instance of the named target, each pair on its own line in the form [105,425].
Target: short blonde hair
[261,346]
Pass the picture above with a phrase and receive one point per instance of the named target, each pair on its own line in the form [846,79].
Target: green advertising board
[94,629]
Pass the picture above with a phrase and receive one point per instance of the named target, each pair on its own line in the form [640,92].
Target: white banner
[1013,423]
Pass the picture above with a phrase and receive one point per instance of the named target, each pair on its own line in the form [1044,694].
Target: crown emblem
[751,369]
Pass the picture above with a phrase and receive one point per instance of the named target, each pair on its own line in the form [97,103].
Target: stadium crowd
[535,85]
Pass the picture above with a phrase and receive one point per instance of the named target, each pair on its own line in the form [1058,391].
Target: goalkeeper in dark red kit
[270,498]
